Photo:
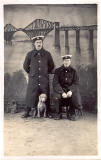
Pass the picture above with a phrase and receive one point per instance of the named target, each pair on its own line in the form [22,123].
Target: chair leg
[79,113]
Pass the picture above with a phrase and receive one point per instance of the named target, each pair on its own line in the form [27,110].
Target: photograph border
[2,3]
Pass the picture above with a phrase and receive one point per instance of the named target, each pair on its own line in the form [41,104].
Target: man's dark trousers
[60,102]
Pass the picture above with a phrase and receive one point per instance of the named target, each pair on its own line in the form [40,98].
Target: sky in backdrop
[22,15]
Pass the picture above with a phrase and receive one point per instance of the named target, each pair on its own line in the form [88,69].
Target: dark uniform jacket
[38,64]
[66,79]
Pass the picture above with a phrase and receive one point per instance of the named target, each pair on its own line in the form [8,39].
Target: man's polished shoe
[49,115]
[58,117]
[72,117]
[26,114]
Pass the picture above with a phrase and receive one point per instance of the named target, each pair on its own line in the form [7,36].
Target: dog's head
[42,97]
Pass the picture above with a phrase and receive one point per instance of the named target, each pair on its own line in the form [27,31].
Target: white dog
[41,107]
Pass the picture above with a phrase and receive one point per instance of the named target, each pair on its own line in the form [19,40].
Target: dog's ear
[46,96]
[39,97]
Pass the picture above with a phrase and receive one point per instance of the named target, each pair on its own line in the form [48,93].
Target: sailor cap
[37,38]
[66,56]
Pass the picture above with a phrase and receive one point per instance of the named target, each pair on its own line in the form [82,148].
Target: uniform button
[39,61]
[66,71]
[39,76]
[39,84]
[39,69]
[66,79]
[39,54]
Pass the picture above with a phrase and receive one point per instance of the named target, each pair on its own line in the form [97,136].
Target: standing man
[65,87]
[38,64]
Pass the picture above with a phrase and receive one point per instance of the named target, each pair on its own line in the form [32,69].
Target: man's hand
[64,95]
[69,93]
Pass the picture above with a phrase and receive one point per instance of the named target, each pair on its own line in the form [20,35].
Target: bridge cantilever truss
[9,30]
[37,27]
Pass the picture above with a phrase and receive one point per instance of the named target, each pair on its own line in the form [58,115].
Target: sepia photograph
[50,80]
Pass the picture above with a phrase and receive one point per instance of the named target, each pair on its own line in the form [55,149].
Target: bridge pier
[66,42]
[8,37]
[57,35]
[78,50]
[91,48]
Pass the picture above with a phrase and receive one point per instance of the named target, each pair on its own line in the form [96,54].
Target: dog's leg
[45,112]
[38,115]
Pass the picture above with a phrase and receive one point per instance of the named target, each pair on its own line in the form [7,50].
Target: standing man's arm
[26,64]
[50,63]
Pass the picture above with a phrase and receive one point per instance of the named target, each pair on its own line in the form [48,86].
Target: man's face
[67,62]
[38,44]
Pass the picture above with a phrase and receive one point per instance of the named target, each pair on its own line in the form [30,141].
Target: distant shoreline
[71,35]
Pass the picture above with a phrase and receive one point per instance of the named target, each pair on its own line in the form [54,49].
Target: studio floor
[44,137]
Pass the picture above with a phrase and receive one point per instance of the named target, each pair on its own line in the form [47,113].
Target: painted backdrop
[20,16]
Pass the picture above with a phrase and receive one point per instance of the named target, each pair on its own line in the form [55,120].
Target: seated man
[65,87]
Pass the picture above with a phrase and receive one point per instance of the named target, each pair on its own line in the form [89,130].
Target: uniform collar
[41,51]
[66,68]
